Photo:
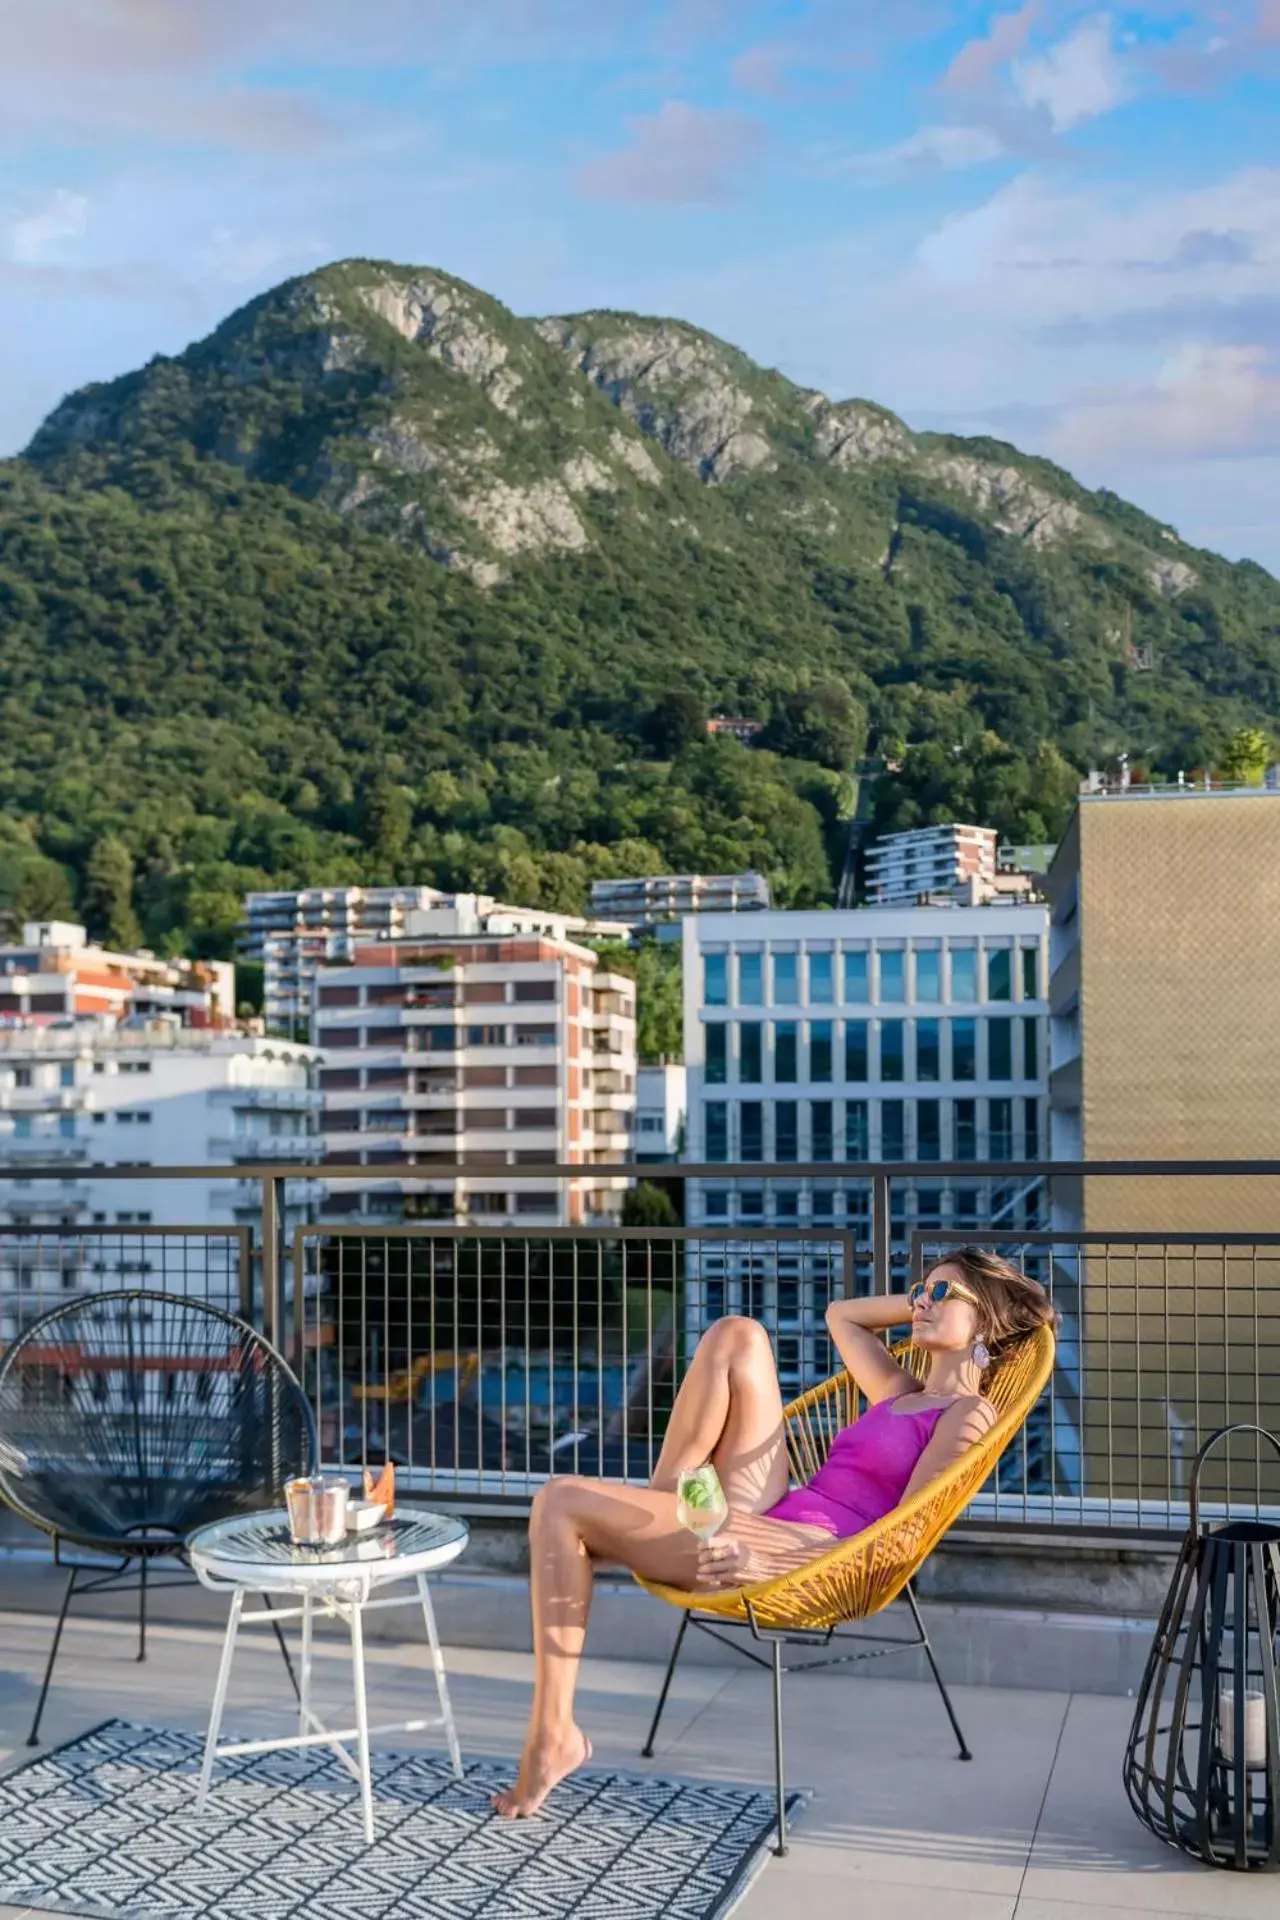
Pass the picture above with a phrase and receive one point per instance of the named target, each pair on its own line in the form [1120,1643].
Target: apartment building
[86,1096]
[1163,994]
[458,1063]
[651,899]
[295,934]
[902,868]
[661,1107]
[55,972]
[849,1038]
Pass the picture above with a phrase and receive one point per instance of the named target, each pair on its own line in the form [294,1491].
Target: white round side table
[254,1554]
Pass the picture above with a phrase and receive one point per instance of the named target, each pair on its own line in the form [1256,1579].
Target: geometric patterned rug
[106,1825]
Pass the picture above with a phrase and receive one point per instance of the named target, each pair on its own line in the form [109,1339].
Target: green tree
[677,721]
[1245,761]
[645,1205]
[108,894]
[388,821]
[823,723]
[659,1002]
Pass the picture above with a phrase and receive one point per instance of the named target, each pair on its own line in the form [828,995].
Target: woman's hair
[1010,1305]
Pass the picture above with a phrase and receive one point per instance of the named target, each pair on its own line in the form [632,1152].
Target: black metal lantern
[1202,1768]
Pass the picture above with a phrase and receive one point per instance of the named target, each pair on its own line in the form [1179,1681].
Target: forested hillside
[380,581]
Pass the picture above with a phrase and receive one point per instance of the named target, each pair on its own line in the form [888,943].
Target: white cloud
[34,236]
[933,150]
[1076,80]
[680,153]
[1204,401]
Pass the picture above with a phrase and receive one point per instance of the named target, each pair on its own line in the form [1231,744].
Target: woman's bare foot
[543,1765]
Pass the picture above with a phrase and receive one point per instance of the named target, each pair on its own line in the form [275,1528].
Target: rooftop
[1036,1828]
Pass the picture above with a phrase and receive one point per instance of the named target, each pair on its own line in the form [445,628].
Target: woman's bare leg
[729,1409]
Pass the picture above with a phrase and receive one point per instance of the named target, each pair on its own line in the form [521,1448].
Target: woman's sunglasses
[934,1292]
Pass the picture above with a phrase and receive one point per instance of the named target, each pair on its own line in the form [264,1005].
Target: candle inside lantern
[1255,1726]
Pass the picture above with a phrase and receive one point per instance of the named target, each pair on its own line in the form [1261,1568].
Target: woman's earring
[981,1354]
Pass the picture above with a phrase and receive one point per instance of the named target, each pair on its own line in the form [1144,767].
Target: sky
[1050,222]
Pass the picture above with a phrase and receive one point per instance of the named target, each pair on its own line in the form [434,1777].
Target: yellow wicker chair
[859,1576]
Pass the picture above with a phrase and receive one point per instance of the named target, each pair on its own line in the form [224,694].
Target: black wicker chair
[128,1419]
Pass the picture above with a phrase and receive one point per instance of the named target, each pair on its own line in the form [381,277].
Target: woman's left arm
[960,1428]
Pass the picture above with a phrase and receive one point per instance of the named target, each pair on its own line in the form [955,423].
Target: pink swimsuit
[865,1474]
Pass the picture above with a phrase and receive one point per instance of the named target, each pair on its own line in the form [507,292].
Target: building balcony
[43,1151]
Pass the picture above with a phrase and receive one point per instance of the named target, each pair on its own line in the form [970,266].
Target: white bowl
[363,1514]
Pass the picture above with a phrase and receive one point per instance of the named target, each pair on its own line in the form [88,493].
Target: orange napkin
[382,1488]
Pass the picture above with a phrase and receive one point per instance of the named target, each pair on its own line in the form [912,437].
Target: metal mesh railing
[45,1266]
[1164,1339]
[480,1362]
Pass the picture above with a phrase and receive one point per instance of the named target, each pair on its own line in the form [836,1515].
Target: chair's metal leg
[362,1720]
[647,1749]
[219,1697]
[442,1683]
[933,1668]
[283,1645]
[781,1848]
[142,1607]
[33,1738]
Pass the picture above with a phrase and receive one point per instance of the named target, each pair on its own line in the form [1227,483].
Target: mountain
[381,580]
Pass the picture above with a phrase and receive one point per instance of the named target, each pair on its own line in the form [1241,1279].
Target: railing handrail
[681,1170]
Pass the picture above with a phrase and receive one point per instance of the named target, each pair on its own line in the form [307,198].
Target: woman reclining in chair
[729,1411]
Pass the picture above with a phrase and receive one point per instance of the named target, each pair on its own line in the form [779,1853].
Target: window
[715,1119]
[535,1203]
[521,1076]
[67,1125]
[339,996]
[856,982]
[928,975]
[99,1066]
[717,1039]
[1000,1129]
[966,1207]
[22,1076]
[785,1052]
[449,1039]
[820,1049]
[750,1070]
[893,1139]
[527,1036]
[928,1050]
[966,1124]
[751,1130]
[999,973]
[715,979]
[486,1203]
[892,1049]
[1031,973]
[750,979]
[855,1050]
[857,1134]
[893,974]
[1030,1048]
[999,1049]
[536,1117]
[964,975]
[751,1203]
[821,1145]
[1031,1129]
[524,990]
[928,1130]
[125,1119]
[786,1130]
[824,1203]
[649,1123]
[964,1049]
[715,1203]
[786,979]
[67,1076]
[822,989]
[22,1126]
[100,1119]
[342,1036]
[143,1118]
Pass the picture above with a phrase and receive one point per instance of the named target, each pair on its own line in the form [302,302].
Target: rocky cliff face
[420,406]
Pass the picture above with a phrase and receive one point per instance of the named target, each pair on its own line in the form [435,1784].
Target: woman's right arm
[856,1326]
